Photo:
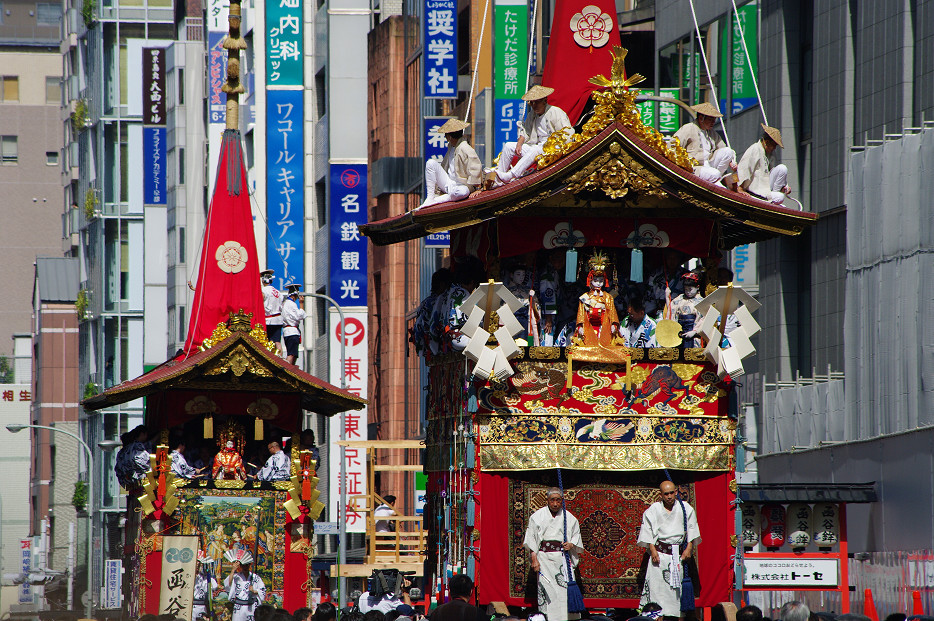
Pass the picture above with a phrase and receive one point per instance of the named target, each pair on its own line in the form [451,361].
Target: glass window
[181,244]
[181,166]
[53,90]
[48,14]
[124,262]
[182,328]
[9,88]
[180,72]
[51,158]
[9,150]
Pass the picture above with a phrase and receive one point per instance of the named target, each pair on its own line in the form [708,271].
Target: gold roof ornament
[617,104]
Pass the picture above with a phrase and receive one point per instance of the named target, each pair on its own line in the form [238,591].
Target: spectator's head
[140,434]
[896,616]
[148,616]
[651,610]
[307,439]
[280,614]
[724,276]
[440,280]
[852,616]
[405,610]
[461,586]
[325,612]
[392,615]
[264,612]
[415,594]
[749,613]
[374,615]
[353,615]
[303,614]
[795,611]
[390,499]
[469,272]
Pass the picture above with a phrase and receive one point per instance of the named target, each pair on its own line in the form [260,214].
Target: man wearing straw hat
[272,303]
[459,173]
[539,124]
[753,172]
[705,145]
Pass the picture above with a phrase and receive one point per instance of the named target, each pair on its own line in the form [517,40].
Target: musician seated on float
[458,174]
[278,467]
[540,123]
[754,173]
[180,466]
[704,144]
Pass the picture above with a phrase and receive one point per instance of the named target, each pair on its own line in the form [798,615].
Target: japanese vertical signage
[217,27]
[737,71]
[25,589]
[285,186]
[744,268]
[440,45]
[284,43]
[154,112]
[285,142]
[353,371]
[510,68]
[667,112]
[113,577]
[348,248]
[436,145]
[177,588]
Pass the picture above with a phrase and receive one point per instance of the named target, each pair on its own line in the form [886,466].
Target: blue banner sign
[440,45]
[285,186]
[348,247]
[153,165]
[506,115]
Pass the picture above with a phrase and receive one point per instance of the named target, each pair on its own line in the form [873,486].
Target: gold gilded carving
[240,361]
[616,104]
[221,333]
[229,484]
[694,354]
[240,321]
[286,485]
[259,334]
[544,353]
[604,457]
[663,353]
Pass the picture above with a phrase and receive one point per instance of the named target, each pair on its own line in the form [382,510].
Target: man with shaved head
[548,539]
[669,532]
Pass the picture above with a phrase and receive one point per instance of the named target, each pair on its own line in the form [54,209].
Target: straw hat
[294,289]
[268,273]
[707,109]
[453,125]
[538,92]
[774,134]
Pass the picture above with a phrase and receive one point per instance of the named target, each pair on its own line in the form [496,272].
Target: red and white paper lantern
[798,525]
[773,525]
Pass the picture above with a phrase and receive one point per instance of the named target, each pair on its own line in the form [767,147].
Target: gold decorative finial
[617,104]
[240,321]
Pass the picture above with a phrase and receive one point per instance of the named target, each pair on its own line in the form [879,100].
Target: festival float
[228,391]
[509,418]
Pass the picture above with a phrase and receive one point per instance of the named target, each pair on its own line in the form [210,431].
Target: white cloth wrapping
[662,584]
[292,315]
[180,465]
[438,179]
[202,594]
[277,468]
[245,602]
[708,148]
[553,575]
[640,334]
[272,304]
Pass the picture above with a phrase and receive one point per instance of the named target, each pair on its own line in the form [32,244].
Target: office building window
[180,88]
[181,166]
[51,158]
[53,90]
[9,150]
[181,244]
[182,327]
[9,88]
[48,14]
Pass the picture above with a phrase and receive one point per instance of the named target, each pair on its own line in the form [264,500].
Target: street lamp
[89,608]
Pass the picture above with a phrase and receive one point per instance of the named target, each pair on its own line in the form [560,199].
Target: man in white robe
[278,467]
[245,589]
[704,144]
[663,534]
[545,538]
[541,122]
[205,585]
[755,176]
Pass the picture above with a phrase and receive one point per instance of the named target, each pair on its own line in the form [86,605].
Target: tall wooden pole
[233,43]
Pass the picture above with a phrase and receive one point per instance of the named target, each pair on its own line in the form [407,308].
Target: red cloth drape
[228,276]
[573,60]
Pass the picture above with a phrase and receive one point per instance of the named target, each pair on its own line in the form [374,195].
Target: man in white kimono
[663,534]
[545,538]
[539,124]
[205,585]
[638,329]
[458,174]
[753,171]
[278,467]
[244,588]
[704,144]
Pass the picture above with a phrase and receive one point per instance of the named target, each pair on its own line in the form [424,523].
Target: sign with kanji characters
[153,86]
[154,122]
[177,584]
[511,49]
[737,81]
[669,118]
[285,186]
[436,145]
[440,49]
[507,114]
[217,77]
[113,580]
[353,371]
[25,589]
[790,573]
[348,246]
[284,57]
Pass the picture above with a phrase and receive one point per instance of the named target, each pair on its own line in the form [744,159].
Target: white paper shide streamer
[728,327]
[491,362]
